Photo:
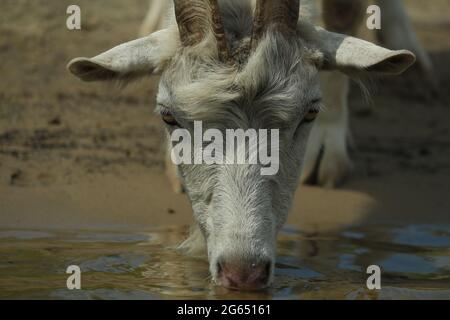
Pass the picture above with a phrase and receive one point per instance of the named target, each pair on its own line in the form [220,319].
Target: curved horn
[196,18]
[280,14]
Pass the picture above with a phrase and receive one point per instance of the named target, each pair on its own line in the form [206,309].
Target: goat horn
[282,15]
[196,18]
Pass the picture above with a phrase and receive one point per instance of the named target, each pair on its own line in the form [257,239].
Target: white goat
[240,64]
[327,161]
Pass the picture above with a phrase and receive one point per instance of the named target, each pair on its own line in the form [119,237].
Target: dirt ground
[77,155]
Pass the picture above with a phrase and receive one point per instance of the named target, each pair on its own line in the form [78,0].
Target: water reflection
[415,262]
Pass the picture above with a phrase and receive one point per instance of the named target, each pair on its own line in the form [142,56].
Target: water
[415,262]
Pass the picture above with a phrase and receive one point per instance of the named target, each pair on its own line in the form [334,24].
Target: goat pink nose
[247,276]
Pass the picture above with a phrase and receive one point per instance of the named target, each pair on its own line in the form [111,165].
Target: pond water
[415,263]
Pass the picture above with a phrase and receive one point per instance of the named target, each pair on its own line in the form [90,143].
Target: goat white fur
[239,212]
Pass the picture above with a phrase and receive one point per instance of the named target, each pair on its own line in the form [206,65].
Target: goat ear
[354,56]
[144,56]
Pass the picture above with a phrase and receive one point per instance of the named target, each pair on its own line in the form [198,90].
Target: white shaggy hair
[277,85]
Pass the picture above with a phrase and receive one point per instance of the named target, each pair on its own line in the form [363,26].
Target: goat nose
[243,275]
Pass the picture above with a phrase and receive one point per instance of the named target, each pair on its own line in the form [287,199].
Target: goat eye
[311,115]
[169,119]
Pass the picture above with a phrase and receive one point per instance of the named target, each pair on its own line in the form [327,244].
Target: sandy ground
[74,155]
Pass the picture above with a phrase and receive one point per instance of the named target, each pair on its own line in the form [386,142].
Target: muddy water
[415,263]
